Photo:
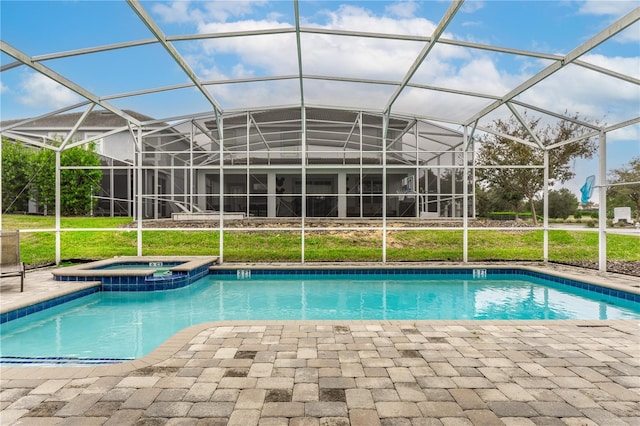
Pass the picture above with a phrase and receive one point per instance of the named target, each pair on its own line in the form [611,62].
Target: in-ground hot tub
[139,273]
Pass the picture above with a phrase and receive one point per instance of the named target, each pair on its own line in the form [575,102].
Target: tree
[523,184]
[562,203]
[77,186]
[623,195]
[17,172]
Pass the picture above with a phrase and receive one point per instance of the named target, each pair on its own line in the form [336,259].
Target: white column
[1,182]
[545,207]
[342,194]
[156,183]
[465,200]
[112,189]
[271,194]
[602,211]
[248,159]
[139,191]
[221,192]
[303,143]
[385,128]
[58,208]
[454,210]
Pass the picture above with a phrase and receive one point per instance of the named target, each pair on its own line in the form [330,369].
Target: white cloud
[177,12]
[573,89]
[222,10]
[403,9]
[37,90]
[218,11]
[629,35]
[3,88]
[576,89]
[472,6]
[625,65]
[608,7]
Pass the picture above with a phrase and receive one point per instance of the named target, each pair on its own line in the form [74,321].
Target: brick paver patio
[300,373]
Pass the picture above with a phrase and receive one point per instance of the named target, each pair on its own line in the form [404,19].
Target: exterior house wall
[343,174]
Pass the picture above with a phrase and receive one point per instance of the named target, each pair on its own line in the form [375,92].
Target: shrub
[577,214]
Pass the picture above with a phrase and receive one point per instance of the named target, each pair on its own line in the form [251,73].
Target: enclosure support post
[139,189]
[58,207]
[247,207]
[191,174]
[545,208]
[465,198]
[1,184]
[112,190]
[303,163]
[385,129]
[602,210]
[221,189]
[361,185]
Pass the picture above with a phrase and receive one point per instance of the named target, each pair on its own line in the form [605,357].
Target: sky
[548,27]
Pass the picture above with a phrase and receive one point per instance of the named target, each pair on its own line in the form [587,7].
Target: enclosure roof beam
[21,138]
[75,128]
[572,56]
[175,55]
[506,136]
[402,132]
[575,139]
[262,138]
[206,132]
[97,49]
[555,114]
[623,124]
[442,25]
[20,56]
[49,114]
[524,124]
[353,128]
[299,51]
[102,135]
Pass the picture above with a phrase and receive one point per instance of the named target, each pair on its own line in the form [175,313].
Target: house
[355,165]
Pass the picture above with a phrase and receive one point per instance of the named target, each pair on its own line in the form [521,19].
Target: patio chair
[10,264]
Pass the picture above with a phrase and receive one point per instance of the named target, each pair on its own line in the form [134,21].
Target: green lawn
[285,246]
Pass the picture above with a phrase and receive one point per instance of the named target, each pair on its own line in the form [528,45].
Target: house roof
[102,119]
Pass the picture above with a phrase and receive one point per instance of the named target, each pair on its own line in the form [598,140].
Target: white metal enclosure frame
[210,124]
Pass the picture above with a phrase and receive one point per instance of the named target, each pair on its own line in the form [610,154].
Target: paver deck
[367,373]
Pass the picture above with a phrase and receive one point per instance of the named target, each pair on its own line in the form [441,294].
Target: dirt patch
[618,267]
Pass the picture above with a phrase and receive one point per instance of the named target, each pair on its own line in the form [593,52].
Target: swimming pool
[112,326]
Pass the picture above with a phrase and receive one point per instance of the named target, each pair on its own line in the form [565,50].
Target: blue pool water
[125,325]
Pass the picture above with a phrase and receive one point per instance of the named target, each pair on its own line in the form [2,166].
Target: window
[98,142]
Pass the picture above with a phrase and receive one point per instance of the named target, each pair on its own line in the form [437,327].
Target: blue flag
[587,189]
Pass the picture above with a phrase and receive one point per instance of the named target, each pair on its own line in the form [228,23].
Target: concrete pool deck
[302,373]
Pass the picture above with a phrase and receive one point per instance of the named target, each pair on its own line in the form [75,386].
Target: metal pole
[465,202]
[303,206]
[545,207]
[602,210]
[58,208]
[221,189]
[1,185]
[139,190]
[361,185]
[247,208]
[385,129]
